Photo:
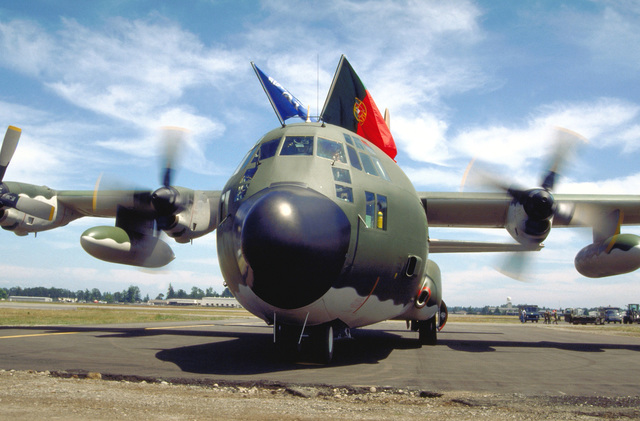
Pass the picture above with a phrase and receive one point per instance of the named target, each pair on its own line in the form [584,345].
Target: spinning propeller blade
[160,205]
[9,145]
[538,203]
[24,204]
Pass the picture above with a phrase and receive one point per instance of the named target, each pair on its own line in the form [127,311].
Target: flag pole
[275,109]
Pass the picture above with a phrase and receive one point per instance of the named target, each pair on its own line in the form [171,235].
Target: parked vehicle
[529,313]
[633,314]
[612,314]
[583,317]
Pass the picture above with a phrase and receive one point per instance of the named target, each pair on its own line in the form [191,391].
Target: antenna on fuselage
[318,85]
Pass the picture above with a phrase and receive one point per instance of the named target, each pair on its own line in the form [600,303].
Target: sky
[90,83]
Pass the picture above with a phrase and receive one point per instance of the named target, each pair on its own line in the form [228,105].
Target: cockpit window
[269,148]
[246,159]
[358,143]
[368,164]
[344,193]
[342,175]
[381,217]
[380,168]
[297,145]
[353,157]
[332,150]
[367,147]
[348,139]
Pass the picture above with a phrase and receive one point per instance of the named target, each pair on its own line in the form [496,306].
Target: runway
[494,358]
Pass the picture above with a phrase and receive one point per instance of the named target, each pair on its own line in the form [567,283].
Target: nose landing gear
[316,342]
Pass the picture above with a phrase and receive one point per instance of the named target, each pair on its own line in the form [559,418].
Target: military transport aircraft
[319,230]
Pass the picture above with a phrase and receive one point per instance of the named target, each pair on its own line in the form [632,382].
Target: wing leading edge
[489,210]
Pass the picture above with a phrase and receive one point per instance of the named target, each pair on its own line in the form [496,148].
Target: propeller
[8,199]
[166,200]
[538,203]
[161,205]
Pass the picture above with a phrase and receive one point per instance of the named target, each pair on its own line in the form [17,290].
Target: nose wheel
[324,343]
[318,340]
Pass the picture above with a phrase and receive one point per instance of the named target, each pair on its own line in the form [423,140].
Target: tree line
[129,295]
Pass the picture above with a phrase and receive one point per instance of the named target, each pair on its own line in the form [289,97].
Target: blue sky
[90,83]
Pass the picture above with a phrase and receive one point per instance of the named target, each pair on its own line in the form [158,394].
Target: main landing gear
[428,329]
[318,341]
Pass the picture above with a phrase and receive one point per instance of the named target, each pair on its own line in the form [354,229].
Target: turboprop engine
[115,245]
[613,256]
[13,220]
[428,301]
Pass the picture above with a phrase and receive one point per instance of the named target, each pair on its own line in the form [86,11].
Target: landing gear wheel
[427,332]
[286,342]
[325,342]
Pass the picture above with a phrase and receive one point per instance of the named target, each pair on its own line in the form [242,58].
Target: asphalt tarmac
[494,358]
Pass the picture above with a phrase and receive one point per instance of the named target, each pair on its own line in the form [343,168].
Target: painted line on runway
[176,327]
[38,334]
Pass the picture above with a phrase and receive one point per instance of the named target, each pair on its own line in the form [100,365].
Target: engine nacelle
[197,220]
[13,220]
[433,281]
[524,229]
[115,245]
[428,296]
[614,256]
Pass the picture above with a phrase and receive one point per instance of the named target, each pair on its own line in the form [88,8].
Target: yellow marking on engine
[615,237]
[94,203]
[31,335]
[53,209]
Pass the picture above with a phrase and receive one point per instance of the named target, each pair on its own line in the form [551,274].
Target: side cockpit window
[381,170]
[247,158]
[269,148]
[297,145]
[353,157]
[367,163]
[375,210]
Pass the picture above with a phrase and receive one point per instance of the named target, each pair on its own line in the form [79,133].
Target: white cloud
[423,138]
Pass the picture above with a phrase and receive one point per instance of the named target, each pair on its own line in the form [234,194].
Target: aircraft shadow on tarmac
[491,346]
[244,353]
[255,354]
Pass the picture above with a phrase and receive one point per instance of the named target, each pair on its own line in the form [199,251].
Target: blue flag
[284,104]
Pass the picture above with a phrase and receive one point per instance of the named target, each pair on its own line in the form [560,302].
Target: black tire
[427,332]
[325,343]
[286,341]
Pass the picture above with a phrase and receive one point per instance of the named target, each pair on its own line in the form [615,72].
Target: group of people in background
[548,316]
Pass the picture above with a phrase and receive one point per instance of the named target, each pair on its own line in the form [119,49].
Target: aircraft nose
[295,241]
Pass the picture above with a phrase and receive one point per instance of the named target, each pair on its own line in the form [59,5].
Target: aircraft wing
[489,210]
[458,246]
[100,204]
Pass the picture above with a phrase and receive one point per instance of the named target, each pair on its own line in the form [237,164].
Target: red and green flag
[351,106]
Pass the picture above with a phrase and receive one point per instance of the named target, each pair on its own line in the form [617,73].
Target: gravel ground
[61,395]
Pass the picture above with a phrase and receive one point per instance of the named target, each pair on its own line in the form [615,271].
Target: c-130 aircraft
[319,231]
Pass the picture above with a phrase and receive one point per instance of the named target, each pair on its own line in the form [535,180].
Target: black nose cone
[295,241]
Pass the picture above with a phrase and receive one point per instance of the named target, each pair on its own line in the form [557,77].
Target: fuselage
[318,225]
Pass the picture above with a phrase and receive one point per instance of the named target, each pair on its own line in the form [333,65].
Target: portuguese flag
[350,105]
